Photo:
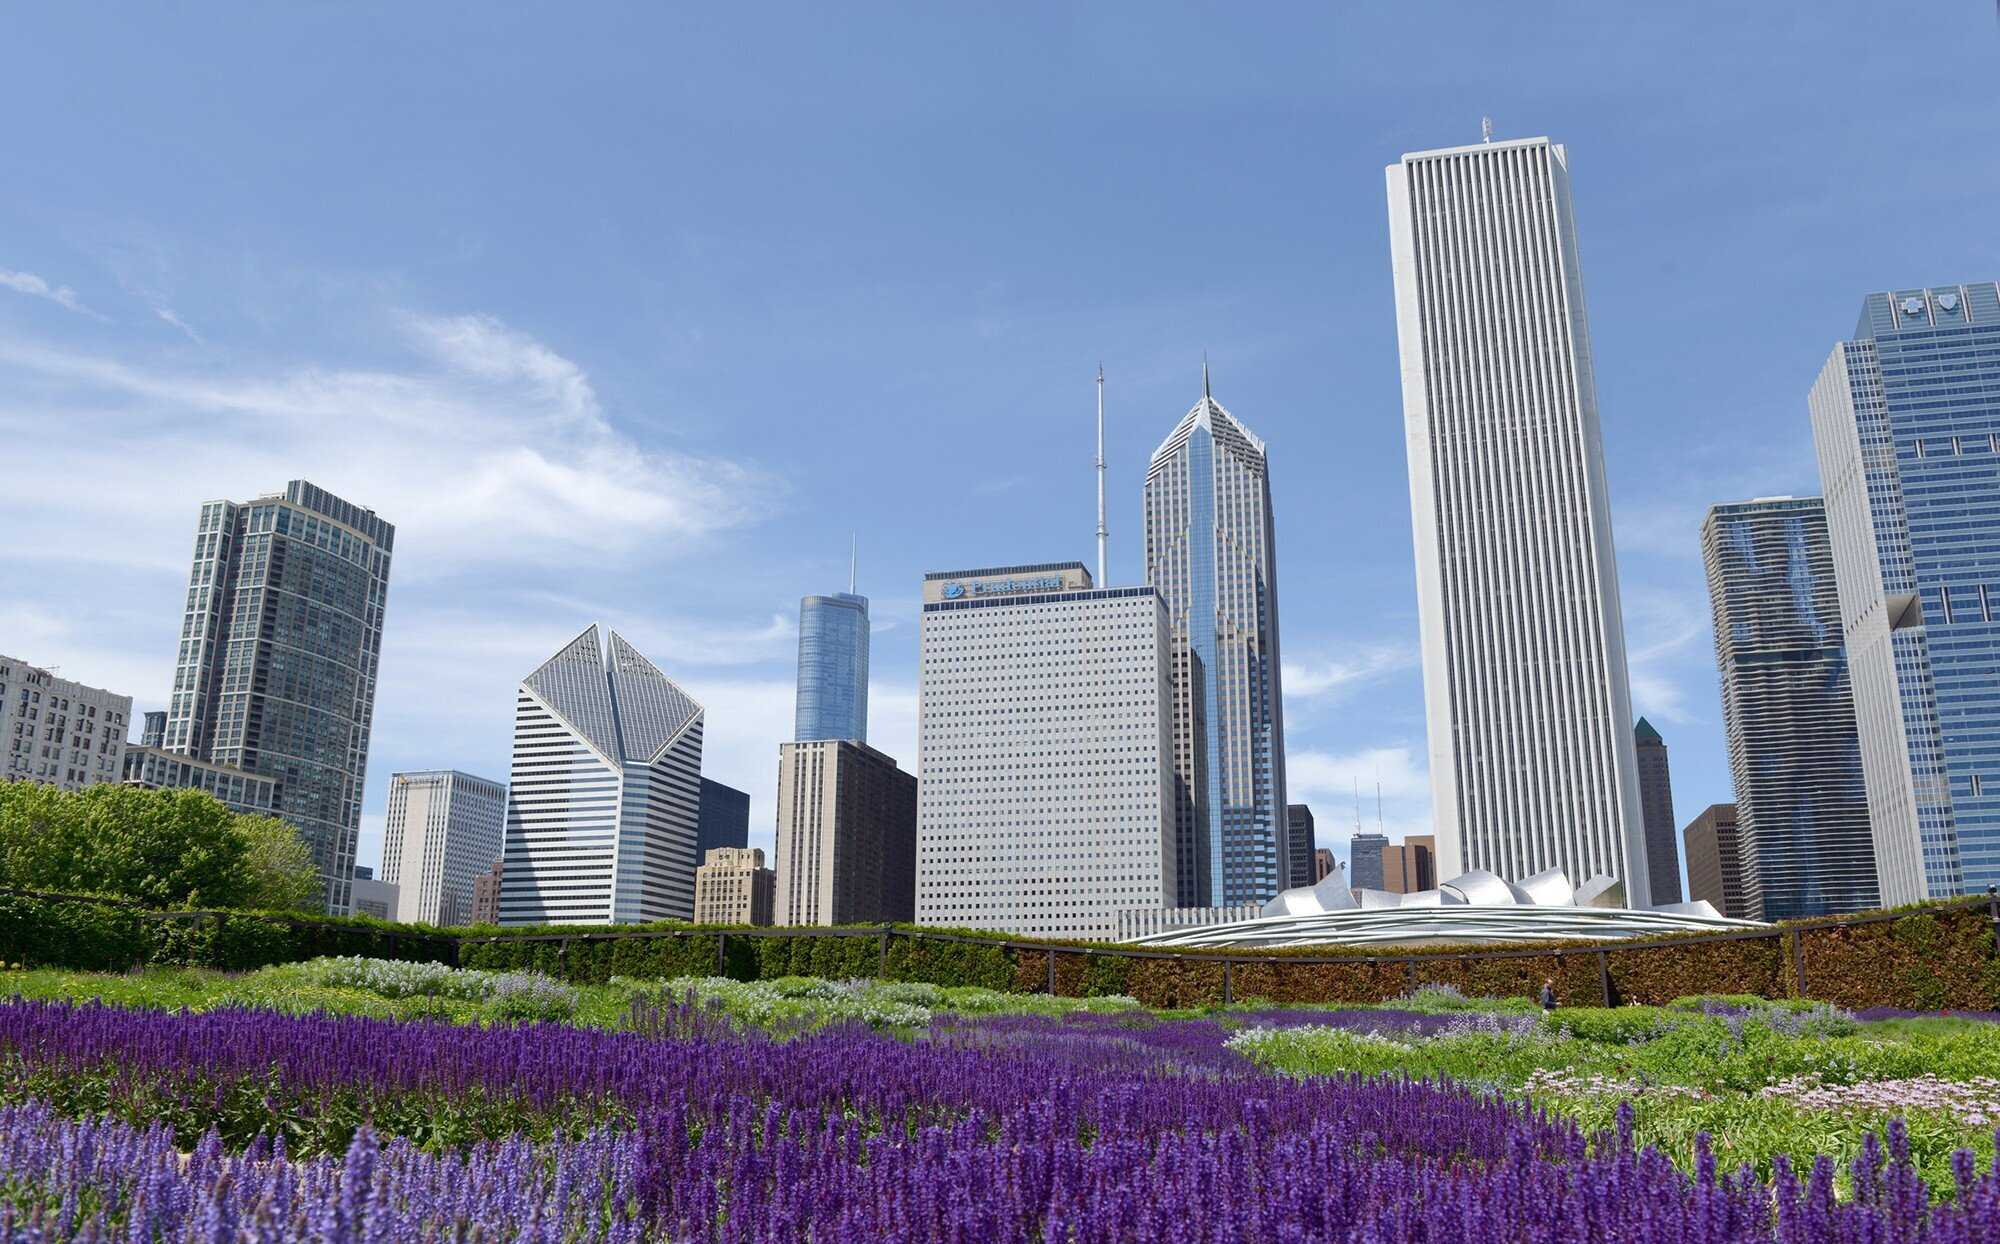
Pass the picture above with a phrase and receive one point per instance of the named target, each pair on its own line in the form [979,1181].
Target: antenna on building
[853,558]
[1357,807]
[1101,579]
[1378,806]
[1486,129]
[1204,375]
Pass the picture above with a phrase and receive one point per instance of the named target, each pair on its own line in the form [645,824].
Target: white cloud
[167,315]
[497,451]
[1662,655]
[35,287]
[1331,782]
[1334,678]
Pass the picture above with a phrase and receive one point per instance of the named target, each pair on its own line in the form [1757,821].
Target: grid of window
[58,732]
[443,830]
[1044,730]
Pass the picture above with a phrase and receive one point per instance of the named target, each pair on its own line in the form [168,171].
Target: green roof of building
[1646,734]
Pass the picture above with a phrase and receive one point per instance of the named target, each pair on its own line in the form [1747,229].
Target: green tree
[282,876]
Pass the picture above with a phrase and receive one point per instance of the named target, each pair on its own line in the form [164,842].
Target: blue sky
[634,314]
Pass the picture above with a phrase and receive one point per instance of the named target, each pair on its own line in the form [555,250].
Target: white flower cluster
[1975,1101]
[518,995]
[1553,1083]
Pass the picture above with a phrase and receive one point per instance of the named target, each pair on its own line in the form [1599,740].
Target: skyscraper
[732,886]
[442,831]
[605,796]
[1525,687]
[1906,418]
[1715,875]
[1212,557]
[833,668]
[847,835]
[1044,731]
[1365,862]
[279,646]
[1411,865]
[1299,824]
[1656,806]
[724,819]
[1803,841]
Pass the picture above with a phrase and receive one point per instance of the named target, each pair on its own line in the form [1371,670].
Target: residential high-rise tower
[1803,840]
[1906,418]
[1212,557]
[604,801]
[58,732]
[278,654]
[1526,697]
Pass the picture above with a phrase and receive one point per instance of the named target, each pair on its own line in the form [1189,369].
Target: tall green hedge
[1940,956]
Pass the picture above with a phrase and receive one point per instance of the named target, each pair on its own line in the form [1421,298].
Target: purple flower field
[1088,1128]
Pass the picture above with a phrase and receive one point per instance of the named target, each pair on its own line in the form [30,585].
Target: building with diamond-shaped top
[604,807]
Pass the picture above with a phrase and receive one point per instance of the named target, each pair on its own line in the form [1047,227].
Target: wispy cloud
[493,448]
[167,315]
[1336,677]
[1331,782]
[1662,656]
[36,287]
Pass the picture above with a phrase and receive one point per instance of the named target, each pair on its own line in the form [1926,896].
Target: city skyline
[570,440]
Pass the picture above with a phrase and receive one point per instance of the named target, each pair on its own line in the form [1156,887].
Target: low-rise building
[486,895]
[372,897]
[732,886]
[58,732]
[156,768]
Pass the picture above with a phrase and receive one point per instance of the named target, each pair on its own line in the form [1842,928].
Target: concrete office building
[1045,727]
[1656,810]
[486,895]
[443,829]
[370,896]
[58,732]
[1803,842]
[1906,419]
[1323,864]
[1299,845]
[832,698]
[278,653]
[605,793]
[724,819]
[1211,555]
[847,835]
[1525,685]
[732,886]
[1715,875]
[1411,866]
[1131,925]
[155,768]
[1364,860]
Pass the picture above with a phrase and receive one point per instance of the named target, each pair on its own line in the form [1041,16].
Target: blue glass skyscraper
[1906,418]
[833,669]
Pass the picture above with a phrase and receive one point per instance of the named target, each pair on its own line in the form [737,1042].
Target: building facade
[155,768]
[1299,845]
[154,732]
[1365,853]
[443,830]
[1714,872]
[1803,840]
[1906,420]
[724,819]
[1411,865]
[604,798]
[486,895]
[1212,557]
[370,895]
[1526,692]
[58,732]
[833,668]
[1045,728]
[278,655]
[1323,864]
[732,886]
[847,835]
[1656,809]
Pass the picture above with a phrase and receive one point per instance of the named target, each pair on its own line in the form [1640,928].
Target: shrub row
[1934,957]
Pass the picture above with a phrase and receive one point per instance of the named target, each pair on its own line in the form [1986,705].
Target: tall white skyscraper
[1044,722]
[1211,554]
[604,802]
[442,831]
[1530,717]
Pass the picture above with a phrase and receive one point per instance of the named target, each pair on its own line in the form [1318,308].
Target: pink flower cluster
[1975,1101]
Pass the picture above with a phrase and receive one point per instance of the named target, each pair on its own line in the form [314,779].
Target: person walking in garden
[1549,994]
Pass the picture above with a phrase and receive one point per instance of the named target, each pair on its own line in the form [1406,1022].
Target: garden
[350,1098]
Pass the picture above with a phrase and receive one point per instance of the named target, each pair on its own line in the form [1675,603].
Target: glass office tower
[1906,418]
[279,646]
[833,668]
[1802,843]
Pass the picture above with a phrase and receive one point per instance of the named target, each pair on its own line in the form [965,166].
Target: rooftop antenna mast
[1357,807]
[1378,805]
[1101,580]
[853,558]
[1486,129]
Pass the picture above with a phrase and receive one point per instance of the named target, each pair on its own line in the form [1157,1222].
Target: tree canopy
[164,848]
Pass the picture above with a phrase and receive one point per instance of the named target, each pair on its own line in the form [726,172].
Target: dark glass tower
[1299,824]
[1656,812]
[1803,841]
[833,668]
[279,646]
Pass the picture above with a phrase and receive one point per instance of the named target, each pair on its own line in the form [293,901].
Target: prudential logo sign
[952,591]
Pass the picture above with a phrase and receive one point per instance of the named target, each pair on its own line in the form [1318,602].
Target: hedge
[1938,956]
